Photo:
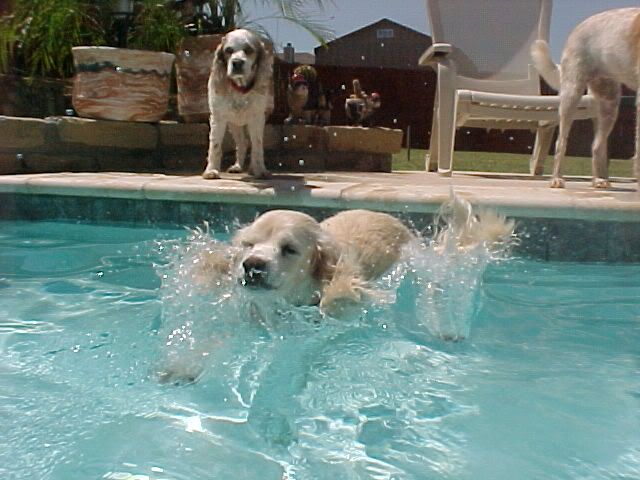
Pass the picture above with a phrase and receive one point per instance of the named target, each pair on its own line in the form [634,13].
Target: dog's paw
[341,307]
[260,174]
[601,183]
[557,182]
[211,174]
[235,168]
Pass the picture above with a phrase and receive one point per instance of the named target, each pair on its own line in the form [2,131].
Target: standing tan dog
[601,54]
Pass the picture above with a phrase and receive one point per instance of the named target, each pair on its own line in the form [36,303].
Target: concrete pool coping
[410,191]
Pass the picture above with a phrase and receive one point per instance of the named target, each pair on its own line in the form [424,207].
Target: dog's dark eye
[248,50]
[288,249]
[228,50]
[246,244]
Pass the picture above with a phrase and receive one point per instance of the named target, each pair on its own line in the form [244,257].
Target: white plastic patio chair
[481,51]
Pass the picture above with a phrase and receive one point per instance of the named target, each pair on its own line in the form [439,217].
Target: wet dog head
[285,252]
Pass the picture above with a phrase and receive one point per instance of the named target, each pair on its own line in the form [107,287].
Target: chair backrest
[492,40]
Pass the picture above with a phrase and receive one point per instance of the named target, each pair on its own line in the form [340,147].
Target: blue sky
[349,15]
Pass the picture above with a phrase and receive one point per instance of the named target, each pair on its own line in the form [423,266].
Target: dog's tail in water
[541,56]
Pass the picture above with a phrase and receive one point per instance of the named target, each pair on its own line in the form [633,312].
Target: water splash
[448,270]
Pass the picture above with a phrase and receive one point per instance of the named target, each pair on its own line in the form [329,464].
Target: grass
[508,163]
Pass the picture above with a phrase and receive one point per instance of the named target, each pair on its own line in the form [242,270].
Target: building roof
[383,22]
[301,57]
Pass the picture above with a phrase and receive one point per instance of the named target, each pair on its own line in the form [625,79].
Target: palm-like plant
[221,16]
[297,12]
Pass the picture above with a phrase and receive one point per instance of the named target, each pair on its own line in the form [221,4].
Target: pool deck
[513,195]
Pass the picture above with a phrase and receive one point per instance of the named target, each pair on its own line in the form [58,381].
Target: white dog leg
[569,98]
[240,139]
[607,95]
[256,134]
[214,158]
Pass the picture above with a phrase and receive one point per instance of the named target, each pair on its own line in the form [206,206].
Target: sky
[346,16]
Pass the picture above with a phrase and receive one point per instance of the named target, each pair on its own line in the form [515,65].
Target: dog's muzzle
[256,272]
[237,66]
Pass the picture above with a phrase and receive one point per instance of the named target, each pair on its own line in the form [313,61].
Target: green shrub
[155,27]
[36,39]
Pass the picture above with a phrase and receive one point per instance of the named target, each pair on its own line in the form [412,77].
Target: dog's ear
[218,77]
[219,53]
[264,72]
[325,258]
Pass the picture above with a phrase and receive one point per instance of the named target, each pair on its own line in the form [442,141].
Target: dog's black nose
[237,64]
[255,271]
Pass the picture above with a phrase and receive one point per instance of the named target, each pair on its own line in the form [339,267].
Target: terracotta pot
[193,65]
[121,84]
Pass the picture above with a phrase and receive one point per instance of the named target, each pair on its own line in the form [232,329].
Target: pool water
[546,383]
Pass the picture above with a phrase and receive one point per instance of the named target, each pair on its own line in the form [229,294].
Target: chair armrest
[434,53]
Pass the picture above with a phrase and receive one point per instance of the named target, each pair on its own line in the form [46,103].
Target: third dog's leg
[569,98]
[240,139]
[256,134]
[607,95]
[214,158]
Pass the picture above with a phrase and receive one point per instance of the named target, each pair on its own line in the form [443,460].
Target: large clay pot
[121,84]
[193,64]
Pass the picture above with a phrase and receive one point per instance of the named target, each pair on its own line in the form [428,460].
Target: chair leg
[431,160]
[446,116]
[544,138]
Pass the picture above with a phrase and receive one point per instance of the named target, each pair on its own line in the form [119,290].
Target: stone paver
[513,195]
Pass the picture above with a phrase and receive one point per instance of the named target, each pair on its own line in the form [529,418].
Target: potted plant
[206,22]
[130,84]
[35,58]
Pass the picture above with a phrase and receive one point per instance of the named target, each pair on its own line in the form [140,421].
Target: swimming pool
[547,384]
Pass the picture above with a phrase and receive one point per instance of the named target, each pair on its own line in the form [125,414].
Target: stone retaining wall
[54,144]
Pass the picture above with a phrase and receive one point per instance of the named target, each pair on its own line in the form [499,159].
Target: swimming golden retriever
[332,263]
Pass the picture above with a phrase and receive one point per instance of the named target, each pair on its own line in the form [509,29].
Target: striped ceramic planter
[121,84]
[193,65]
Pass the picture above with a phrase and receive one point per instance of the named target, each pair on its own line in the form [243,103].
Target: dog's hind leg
[214,158]
[570,94]
[240,139]
[607,95]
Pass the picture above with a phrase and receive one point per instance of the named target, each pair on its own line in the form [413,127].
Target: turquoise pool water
[546,385]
